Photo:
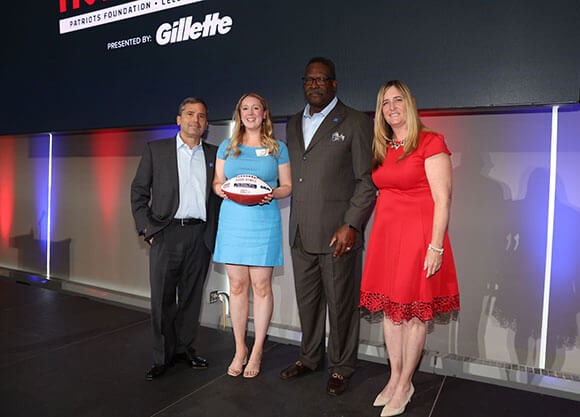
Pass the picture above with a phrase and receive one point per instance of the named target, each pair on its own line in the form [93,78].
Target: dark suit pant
[178,262]
[322,280]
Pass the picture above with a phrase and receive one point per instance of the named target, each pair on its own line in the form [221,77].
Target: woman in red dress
[409,270]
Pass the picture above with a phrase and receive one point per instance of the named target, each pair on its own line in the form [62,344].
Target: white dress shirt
[192,181]
[310,124]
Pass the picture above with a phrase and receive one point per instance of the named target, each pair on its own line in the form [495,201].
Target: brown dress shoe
[337,384]
[295,370]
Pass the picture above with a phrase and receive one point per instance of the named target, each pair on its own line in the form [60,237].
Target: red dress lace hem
[398,312]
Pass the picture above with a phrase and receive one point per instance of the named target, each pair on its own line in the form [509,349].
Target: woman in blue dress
[249,238]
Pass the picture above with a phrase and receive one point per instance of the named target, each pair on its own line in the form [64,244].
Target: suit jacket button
[299,179]
[304,158]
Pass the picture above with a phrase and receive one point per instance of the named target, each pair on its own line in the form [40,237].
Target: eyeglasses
[318,81]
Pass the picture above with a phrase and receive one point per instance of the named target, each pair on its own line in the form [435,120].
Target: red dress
[393,277]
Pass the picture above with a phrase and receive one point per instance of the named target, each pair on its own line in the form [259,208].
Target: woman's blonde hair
[383,131]
[266,138]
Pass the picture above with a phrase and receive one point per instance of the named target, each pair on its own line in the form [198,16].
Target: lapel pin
[335,119]
[337,137]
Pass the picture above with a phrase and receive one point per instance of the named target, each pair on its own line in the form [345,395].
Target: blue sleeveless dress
[250,235]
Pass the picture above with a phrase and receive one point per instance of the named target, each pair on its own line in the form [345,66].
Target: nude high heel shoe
[390,411]
[253,368]
[237,371]
[381,401]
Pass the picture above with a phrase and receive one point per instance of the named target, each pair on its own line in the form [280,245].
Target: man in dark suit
[330,153]
[176,211]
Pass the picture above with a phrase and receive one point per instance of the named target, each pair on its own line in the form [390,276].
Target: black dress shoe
[189,357]
[197,362]
[295,370]
[337,384]
[155,372]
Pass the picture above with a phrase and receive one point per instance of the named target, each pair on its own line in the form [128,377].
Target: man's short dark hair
[190,100]
[324,61]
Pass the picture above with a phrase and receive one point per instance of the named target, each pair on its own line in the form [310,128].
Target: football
[246,189]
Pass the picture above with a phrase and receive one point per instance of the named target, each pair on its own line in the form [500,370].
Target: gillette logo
[184,29]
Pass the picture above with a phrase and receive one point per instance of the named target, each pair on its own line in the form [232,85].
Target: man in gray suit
[333,194]
[176,212]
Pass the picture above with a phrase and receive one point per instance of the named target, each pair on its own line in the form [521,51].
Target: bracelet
[438,250]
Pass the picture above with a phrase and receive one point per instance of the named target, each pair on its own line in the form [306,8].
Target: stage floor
[65,355]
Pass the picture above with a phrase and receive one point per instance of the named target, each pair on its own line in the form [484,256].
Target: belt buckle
[181,221]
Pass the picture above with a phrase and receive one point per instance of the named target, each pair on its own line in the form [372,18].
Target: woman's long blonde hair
[266,138]
[384,133]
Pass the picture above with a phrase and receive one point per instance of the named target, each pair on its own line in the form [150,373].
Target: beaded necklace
[396,144]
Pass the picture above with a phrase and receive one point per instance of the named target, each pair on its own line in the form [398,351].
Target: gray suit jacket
[155,190]
[331,180]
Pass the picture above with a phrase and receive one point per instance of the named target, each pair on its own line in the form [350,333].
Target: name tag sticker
[262,152]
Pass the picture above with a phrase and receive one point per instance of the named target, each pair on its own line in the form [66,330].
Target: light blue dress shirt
[310,124]
[192,181]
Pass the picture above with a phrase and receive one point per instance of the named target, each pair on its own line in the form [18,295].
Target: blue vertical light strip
[550,238]
[49,211]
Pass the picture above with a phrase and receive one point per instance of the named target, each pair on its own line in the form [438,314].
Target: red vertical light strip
[7,156]
[108,148]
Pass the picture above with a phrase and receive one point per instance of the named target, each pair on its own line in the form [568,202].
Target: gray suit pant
[178,263]
[321,280]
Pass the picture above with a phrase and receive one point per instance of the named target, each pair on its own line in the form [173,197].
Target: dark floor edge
[80,289]
[437,396]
